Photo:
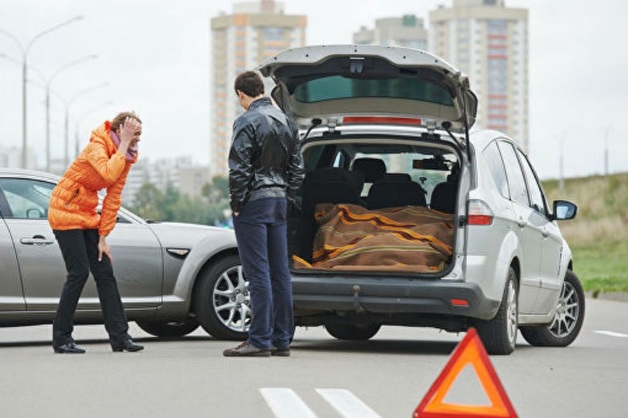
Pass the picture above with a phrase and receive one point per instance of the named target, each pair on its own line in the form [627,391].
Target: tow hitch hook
[356,299]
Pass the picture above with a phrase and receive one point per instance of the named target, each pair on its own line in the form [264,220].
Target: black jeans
[80,253]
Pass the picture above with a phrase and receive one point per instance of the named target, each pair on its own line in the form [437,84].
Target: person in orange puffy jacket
[81,231]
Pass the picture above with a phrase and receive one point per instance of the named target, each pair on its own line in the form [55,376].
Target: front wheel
[567,321]
[499,334]
[222,301]
[352,332]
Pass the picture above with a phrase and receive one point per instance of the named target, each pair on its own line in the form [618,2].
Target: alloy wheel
[232,300]
[567,311]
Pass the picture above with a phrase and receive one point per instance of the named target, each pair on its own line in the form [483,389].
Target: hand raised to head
[130,130]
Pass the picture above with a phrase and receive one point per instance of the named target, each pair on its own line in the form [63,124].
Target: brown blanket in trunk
[409,238]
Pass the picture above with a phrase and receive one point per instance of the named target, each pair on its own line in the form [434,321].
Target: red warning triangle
[469,351]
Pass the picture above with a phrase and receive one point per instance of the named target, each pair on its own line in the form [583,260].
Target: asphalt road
[385,377]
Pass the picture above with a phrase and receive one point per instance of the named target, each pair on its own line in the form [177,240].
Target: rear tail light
[479,213]
[459,302]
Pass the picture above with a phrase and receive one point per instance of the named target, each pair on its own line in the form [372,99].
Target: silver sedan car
[171,276]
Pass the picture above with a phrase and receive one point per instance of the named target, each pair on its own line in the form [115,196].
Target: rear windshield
[339,87]
[426,166]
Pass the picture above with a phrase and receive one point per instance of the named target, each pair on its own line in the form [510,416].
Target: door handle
[521,223]
[37,241]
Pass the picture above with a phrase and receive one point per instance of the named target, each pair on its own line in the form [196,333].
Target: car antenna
[315,123]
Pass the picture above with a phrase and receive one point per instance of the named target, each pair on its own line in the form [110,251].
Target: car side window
[537,200]
[26,199]
[493,160]
[516,181]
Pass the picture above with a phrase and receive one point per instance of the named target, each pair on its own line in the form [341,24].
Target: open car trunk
[382,202]
[385,208]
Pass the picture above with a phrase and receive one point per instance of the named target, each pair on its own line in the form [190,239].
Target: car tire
[499,334]
[221,300]
[567,321]
[173,329]
[352,332]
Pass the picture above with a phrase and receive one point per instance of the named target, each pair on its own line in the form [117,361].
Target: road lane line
[612,334]
[347,404]
[285,403]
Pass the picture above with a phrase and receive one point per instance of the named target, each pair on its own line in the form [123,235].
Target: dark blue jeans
[261,232]
[80,253]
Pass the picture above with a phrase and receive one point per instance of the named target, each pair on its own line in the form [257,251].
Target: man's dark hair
[249,83]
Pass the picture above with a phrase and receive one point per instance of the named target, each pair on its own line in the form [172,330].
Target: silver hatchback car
[407,216]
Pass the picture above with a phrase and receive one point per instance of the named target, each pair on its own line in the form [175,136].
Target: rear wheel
[172,329]
[567,321]
[499,334]
[222,302]
[352,332]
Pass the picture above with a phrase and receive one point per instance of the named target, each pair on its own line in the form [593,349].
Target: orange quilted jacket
[75,198]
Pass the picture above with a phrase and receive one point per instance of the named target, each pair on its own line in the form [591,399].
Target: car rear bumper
[325,294]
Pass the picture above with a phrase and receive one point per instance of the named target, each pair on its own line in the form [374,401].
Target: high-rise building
[241,41]
[407,31]
[489,42]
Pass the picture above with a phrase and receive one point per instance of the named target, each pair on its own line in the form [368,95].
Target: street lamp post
[52,77]
[25,51]
[561,174]
[606,169]
[67,117]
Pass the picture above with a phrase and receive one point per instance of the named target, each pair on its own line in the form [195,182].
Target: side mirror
[564,210]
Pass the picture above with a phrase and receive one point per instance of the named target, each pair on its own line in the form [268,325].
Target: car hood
[352,83]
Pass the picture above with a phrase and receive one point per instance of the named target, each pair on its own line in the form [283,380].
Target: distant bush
[602,207]
[598,236]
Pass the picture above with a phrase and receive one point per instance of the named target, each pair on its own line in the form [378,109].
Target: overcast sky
[155,55]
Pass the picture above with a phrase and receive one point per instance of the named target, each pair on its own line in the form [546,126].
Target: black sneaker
[246,350]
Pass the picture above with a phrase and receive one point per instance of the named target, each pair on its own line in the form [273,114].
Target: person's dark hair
[249,83]
[121,117]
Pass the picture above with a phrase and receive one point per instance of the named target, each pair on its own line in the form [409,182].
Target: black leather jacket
[265,156]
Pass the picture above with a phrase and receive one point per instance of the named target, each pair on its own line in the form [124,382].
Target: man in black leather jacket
[265,171]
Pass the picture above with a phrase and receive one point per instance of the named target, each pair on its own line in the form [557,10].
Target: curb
[614,296]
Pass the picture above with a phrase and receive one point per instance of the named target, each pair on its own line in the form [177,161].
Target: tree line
[210,208]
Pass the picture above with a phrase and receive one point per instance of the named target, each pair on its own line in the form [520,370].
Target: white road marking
[612,334]
[285,403]
[347,404]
